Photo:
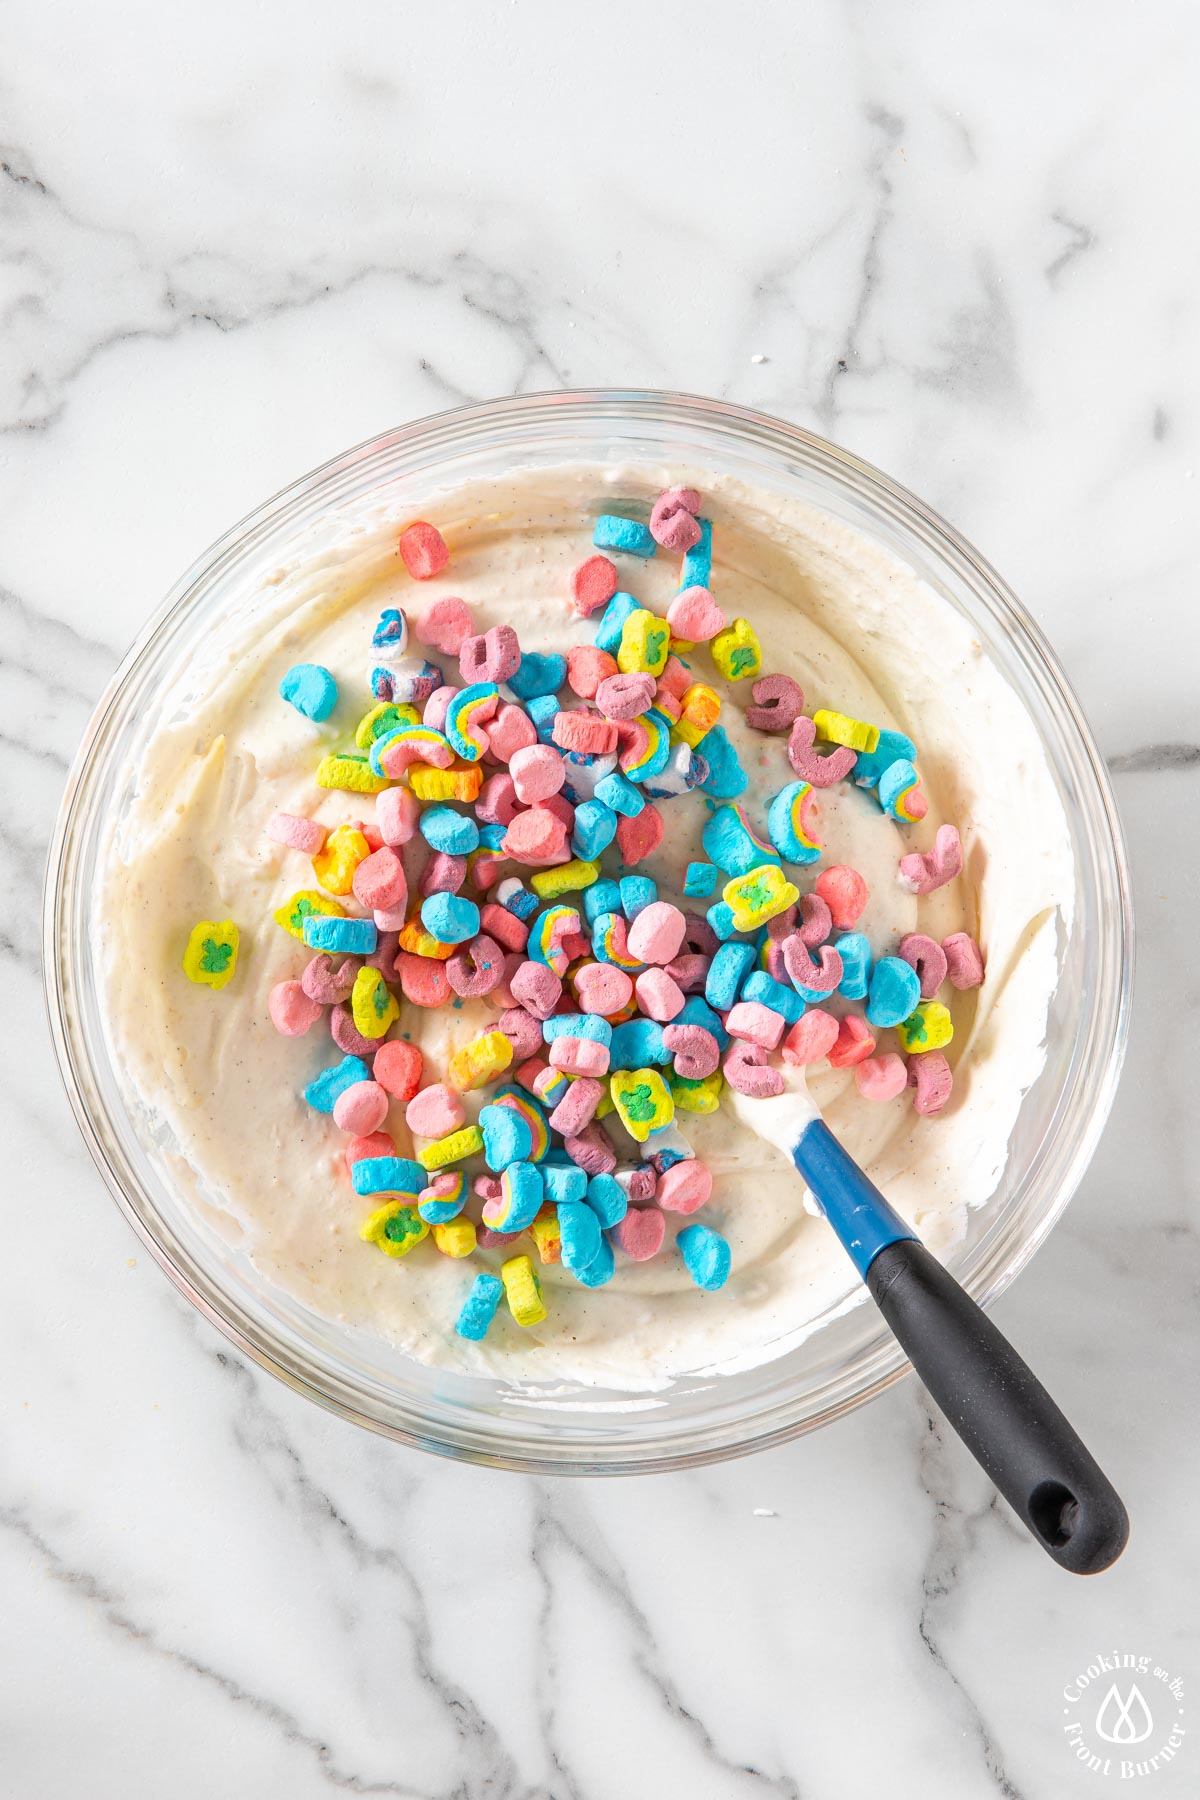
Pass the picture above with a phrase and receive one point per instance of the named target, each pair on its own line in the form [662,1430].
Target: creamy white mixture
[860,632]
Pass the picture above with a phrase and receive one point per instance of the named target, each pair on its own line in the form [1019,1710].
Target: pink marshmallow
[437,706]
[523,1032]
[673,522]
[536,988]
[397,1067]
[423,550]
[922,874]
[346,1035]
[695,1050]
[390,919]
[658,996]
[747,1071]
[656,935]
[326,984]
[756,1023]
[537,773]
[296,833]
[625,696]
[577,1107]
[579,1056]
[497,801]
[930,1074]
[964,960]
[445,624]
[380,881]
[477,969]
[435,1112]
[593,585]
[590,1149]
[640,837]
[537,837]
[881,1077]
[587,667]
[492,656]
[695,615]
[443,873]
[816,922]
[811,1038]
[512,729]
[818,771]
[685,1187]
[845,894]
[603,989]
[293,1012]
[778,701]
[360,1109]
[926,957]
[855,1042]
[639,1235]
[396,813]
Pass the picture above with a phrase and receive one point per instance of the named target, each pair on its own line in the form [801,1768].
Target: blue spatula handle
[992,1398]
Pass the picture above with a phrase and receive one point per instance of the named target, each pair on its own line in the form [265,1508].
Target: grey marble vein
[560,1531]
[1155,759]
[121,1621]
[955,1539]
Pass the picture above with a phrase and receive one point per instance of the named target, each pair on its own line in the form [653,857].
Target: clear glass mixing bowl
[852,1357]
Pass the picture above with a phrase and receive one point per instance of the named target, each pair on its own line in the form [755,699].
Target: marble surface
[960,242]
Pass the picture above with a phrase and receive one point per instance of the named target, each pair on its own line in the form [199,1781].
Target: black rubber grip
[1000,1410]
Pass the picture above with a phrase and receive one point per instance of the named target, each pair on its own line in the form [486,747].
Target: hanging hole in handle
[1054,1511]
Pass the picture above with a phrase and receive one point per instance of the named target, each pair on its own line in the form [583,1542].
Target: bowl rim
[627,404]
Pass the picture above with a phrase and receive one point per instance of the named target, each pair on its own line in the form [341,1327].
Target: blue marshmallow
[726,777]
[526,1195]
[507,1136]
[894,992]
[607,1199]
[637,1044]
[600,1270]
[720,918]
[449,918]
[594,830]
[620,794]
[637,893]
[726,973]
[542,712]
[580,1231]
[700,880]
[387,1175]
[538,675]
[855,952]
[729,844]
[612,622]
[892,747]
[764,988]
[325,1088]
[311,690]
[604,896]
[696,568]
[354,937]
[564,1182]
[706,1255]
[578,1025]
[479,1307]
[613,532]
[444,829]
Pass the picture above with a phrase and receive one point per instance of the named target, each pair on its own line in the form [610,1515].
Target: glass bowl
[852,1357]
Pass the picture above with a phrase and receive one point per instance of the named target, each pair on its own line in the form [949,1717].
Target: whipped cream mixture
[860,632]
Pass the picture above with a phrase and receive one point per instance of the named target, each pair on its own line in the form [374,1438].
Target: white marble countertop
[235,243]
